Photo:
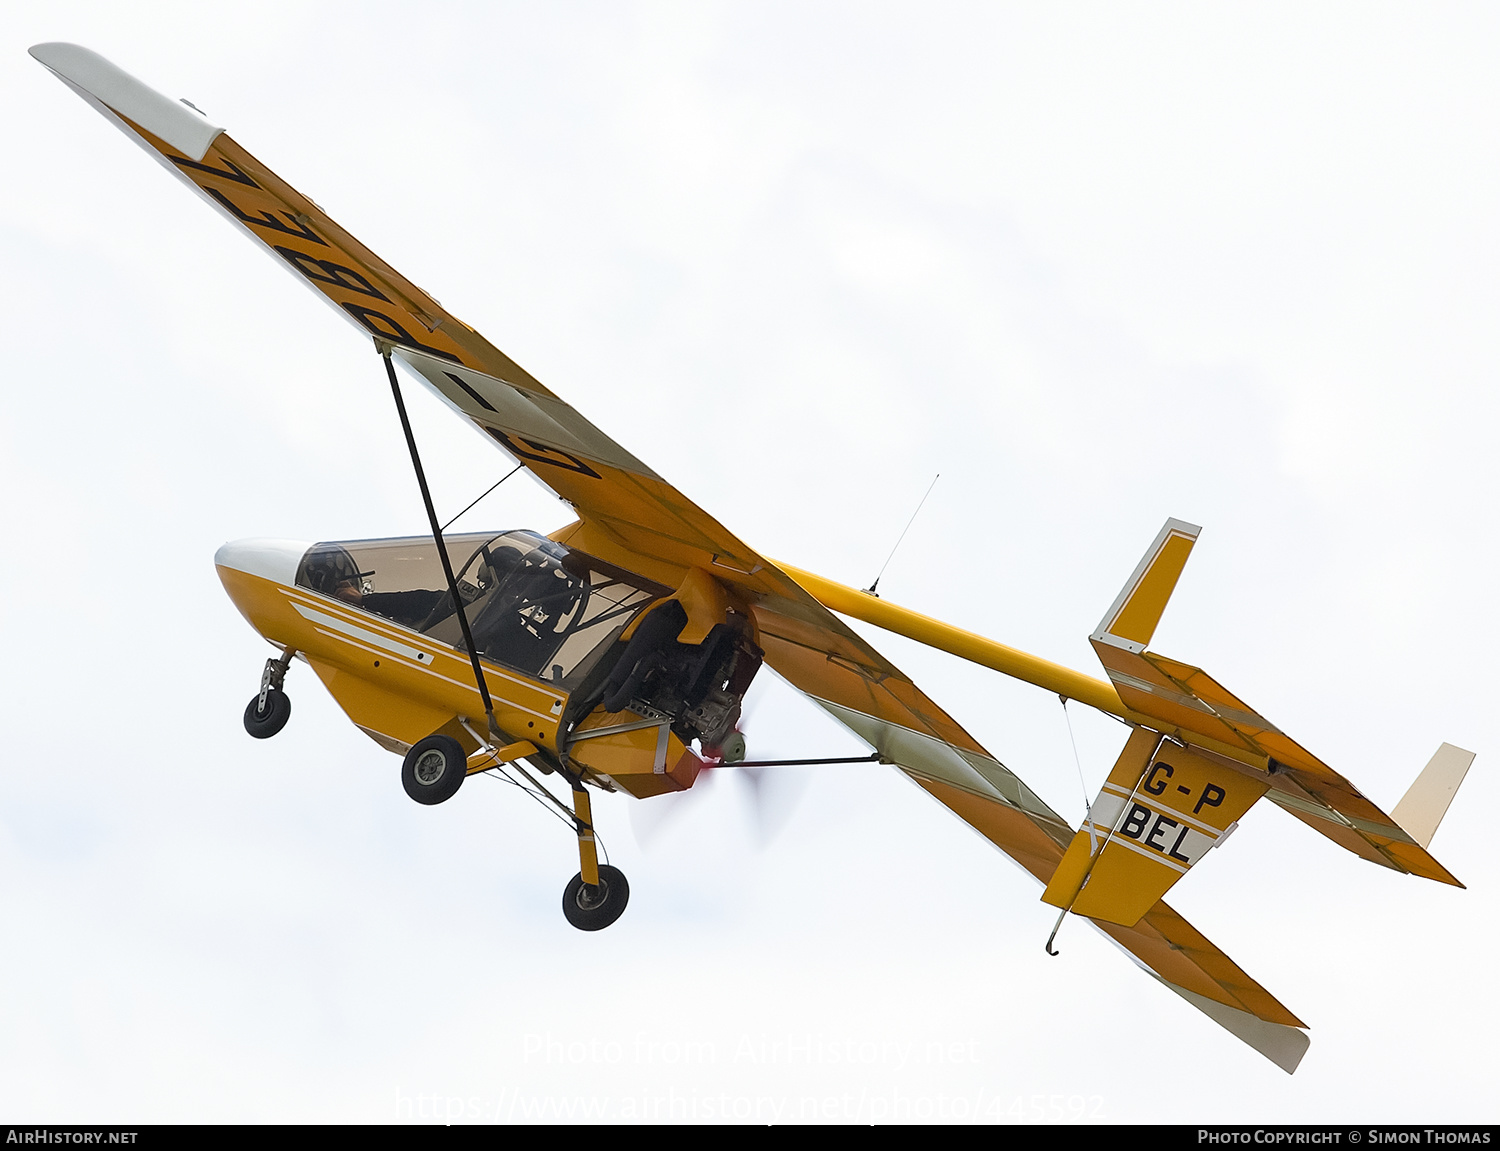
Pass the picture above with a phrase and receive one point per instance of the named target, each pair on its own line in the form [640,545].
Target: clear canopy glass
[532,604]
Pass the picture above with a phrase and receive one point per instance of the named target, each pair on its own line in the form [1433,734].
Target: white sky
[1096,265]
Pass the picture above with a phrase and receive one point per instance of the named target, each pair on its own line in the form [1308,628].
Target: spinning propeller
[768,790]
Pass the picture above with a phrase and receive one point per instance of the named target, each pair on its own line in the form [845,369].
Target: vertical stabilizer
[1426,801]
[1132,618]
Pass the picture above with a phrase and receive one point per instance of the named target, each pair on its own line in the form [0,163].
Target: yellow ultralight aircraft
[603,652]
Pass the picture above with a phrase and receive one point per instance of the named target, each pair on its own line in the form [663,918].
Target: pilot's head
[503,561]
[331,570]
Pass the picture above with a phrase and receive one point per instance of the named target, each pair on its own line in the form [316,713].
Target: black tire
[594,909]
[434,769]
[264,722]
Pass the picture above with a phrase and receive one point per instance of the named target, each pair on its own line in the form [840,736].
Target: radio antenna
[871,589]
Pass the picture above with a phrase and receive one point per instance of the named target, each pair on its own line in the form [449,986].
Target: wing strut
[594,890]
[873,757]
[442,548]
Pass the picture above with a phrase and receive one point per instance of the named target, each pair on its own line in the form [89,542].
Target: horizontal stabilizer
[1162,809]
[1186,703]
[1426,802]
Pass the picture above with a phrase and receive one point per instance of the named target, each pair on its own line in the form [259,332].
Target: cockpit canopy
[532,604]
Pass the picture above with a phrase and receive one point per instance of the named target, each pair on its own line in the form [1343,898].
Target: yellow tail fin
[1132,618]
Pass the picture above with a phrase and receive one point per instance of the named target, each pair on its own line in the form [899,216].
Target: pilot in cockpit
[519,605]
[330,569]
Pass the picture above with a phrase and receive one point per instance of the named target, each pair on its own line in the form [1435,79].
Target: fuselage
[375,621]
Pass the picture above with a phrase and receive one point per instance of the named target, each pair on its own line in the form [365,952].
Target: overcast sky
[1096,265]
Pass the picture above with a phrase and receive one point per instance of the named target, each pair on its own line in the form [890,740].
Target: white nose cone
[270,559]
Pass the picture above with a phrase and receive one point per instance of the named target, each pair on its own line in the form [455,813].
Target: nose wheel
[268,712]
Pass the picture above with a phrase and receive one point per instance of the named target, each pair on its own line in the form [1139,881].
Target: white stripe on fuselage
[344,627]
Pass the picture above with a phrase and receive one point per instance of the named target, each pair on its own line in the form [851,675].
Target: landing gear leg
[269,711]
[597,895]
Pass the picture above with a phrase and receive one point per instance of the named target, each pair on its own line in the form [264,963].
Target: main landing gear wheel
[265,717]
[595,908]
[434,769]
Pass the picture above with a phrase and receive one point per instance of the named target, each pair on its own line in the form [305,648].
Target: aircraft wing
[614,492]
[630,516]
[1002,809]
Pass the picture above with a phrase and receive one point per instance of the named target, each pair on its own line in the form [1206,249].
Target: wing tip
[1283,1045]
[117,91]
